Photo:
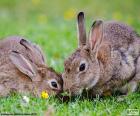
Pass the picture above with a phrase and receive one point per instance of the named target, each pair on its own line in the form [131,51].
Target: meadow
[52,25]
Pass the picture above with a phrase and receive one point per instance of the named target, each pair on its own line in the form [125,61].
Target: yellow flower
[129,20]
[69,14]
[117,15]
[44,95]
[42,18]
[36,2]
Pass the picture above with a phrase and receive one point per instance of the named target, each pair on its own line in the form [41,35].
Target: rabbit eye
[54,84]
[82,67]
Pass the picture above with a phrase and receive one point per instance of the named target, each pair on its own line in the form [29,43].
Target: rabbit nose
[66,89]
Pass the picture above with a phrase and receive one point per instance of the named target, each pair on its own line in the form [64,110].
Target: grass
[104,106]
[56,34]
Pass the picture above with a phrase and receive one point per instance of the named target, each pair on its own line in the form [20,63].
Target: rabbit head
[42,77]
[52,81]
[82,70]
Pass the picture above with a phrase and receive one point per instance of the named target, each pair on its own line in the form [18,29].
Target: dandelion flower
[117,15]
[42,19]
[44,94]
[36,2]
[69,14]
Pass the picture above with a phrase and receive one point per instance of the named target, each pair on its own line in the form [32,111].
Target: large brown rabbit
[23,69]
[105,62]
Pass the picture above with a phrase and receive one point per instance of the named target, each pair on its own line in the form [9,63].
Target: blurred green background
[52,24]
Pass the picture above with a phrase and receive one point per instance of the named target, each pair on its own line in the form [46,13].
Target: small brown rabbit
[105,62]
[23,69]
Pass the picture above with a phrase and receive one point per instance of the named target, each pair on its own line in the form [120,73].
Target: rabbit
[23,69]
[106,62]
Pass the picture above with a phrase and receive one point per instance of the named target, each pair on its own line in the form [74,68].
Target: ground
[57,37]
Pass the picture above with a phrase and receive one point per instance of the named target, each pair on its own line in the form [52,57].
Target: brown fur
[110,56]
[13,80]
[12,43]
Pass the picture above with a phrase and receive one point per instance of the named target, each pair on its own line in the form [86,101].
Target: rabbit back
[122,37]
[13,43]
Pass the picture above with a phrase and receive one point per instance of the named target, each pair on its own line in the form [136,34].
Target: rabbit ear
[33,48]
[104,53]
[96,34]
[81,29]
[24,65]
[26,44]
